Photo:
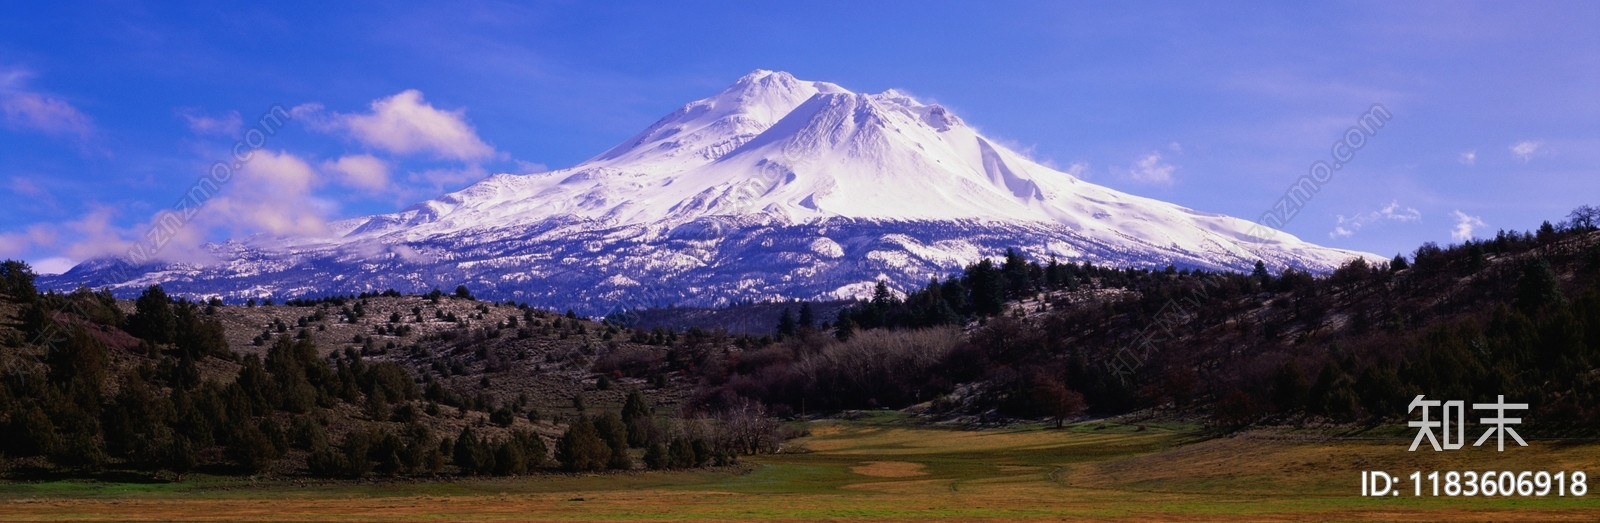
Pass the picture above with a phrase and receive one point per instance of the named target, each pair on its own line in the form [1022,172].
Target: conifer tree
[614,432]
[808,319]
[580,448]
[786,324]
[153,319]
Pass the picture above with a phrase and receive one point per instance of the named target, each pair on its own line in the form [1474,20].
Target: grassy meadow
[884,468]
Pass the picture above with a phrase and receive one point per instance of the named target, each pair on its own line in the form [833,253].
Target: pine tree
[987,288]
[1260,272]
[681,454]
[181,457]
[153,318]
[580,448]
[533,448]
[614,432]
[636,415]
[16,280]
[955,294]
[845,327]
[882,297]
[1018,284]
[786,324]
[510,459]
[808,319]
[1537,287]
[656,456]
[472,454]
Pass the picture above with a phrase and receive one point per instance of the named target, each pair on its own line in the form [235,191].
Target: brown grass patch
[890,469]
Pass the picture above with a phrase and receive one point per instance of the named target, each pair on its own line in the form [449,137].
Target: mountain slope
[774,188]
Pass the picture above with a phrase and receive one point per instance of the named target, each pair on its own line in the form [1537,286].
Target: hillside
[343,387]
[1513,315]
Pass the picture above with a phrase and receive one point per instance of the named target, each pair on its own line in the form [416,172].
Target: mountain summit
[773,188]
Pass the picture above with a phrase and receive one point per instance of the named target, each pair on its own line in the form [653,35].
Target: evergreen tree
[16,280]
[533,448]
[808,319]
[153,319]
[181,457]
[955,295]
[656,456]
[986,285]
[636,415]
[1537,287]
[251,449]
[681,454]
[580,448]
[845,327]
[786,324]
[510,459]
[882,297]
[1018,284]
[614,432]
[471,454]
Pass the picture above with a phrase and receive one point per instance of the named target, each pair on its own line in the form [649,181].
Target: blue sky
[111,112]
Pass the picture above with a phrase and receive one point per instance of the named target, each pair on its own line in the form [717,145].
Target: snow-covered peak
[774,188]
[704,130]
[774,148]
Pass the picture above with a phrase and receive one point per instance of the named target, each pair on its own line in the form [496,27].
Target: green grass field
[883,470]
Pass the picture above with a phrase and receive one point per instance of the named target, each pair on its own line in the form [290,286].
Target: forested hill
[1517,314]
[347,387]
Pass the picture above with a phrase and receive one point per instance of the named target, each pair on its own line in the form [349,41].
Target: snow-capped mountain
[774,188]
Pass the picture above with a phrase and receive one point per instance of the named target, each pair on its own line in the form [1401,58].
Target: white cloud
[405,124]
[361,171]
[225,125]
[26,187]
[52,116]
[1468,158]
[53,265]
[1464,226]
[272,194]
[1079,170]
[15,244]
[91,236]
[530,167]
[440,179]
[96,236]
[1348,226]
[1525,149]
[1150,169]
[12,78]
[1175,147]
